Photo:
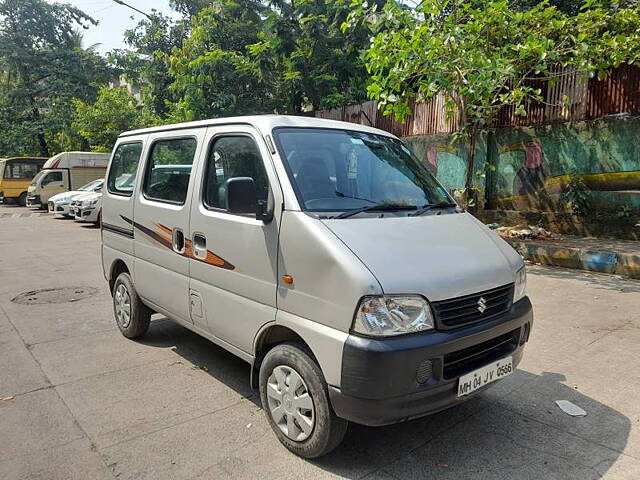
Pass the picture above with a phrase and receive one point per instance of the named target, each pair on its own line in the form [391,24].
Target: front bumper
[33,201]
[86,214]
[59,208]
[380,385]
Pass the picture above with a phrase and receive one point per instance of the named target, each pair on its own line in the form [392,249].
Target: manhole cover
[54,295]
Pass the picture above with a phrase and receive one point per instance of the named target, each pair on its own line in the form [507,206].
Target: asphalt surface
[81,401]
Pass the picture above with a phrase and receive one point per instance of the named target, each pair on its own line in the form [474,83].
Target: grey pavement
[83,402]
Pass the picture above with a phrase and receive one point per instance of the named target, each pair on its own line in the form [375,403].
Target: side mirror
[241,198]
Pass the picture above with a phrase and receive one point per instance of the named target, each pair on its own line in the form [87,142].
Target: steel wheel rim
[290,404]
[122,304]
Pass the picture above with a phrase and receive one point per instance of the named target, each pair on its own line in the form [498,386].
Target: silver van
[325,255]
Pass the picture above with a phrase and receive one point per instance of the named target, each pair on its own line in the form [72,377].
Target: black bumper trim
[378,382]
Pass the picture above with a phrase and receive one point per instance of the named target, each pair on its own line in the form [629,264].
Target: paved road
[89,404]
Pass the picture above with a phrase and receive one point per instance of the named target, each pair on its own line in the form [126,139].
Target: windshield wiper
[432,206]
[378,206]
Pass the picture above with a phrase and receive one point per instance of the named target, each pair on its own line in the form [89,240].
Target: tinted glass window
[22,170]
[168,170]
[122,174]
[229,157]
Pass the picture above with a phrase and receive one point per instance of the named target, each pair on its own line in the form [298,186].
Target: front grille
[470,358]
[477,307]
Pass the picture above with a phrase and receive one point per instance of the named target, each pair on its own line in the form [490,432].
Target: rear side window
[24,170]
[168,170]
[229,157]
[122,174]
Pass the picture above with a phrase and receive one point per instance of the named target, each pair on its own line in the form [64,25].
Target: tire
[22,199]
[327,430]
[99,219]
[139,316]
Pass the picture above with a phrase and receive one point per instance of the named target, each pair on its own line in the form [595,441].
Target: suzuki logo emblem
[482,305]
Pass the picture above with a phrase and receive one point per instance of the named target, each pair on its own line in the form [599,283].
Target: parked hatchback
[325,255]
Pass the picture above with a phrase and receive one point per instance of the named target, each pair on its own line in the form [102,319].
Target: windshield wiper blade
[379,206]
[432,206]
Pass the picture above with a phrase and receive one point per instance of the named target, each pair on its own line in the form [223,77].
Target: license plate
[471,382]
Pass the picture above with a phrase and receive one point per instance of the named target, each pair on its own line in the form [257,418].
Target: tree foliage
[228,57]
[42,68]
[114,111]
[483,55]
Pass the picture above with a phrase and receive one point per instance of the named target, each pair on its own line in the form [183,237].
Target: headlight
[392,315]
[93,202]
[521,284]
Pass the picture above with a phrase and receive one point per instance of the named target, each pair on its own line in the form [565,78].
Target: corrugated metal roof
[573,97]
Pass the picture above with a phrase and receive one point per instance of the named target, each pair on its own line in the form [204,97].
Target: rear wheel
[132,316]
[296,402]
[22,199]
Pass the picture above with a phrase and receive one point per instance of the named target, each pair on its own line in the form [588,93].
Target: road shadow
[512,430]
[596,280]
[202,353]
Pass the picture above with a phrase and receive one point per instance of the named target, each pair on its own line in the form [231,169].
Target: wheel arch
[324,344]
[118,266]
[267,338]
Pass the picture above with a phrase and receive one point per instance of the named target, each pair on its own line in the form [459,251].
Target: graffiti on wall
[531,168]
[599,157]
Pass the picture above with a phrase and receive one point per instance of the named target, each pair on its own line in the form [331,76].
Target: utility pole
[120,2]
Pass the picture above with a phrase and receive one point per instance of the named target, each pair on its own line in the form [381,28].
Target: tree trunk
[44,149]
[471,153]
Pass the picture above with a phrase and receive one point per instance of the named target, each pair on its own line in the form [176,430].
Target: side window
[168,170]
[229,157]
[122,174]
[22,170]
[53,177]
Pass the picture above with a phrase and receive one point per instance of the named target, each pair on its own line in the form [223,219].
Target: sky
[114,19]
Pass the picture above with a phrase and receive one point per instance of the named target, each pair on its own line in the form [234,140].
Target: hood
[438,256]
[65,196]
[87,196]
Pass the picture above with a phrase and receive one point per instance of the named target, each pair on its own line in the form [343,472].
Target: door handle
[177,240]
[199,246]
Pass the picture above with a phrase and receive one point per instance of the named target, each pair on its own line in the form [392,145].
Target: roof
[264,123]
[22,158]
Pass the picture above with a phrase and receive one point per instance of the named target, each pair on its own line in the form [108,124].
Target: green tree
[482,55]
[114,111]
[212,74]
[245,56]
[41,69]
[147,60]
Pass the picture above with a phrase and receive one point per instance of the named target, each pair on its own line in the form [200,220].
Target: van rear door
[161,220]
[118,197]
[234,257]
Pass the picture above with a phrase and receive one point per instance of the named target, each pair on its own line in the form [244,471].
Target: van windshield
[340,170]
[37,178]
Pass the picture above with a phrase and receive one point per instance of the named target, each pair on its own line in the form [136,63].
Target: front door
[56,181]
[161,221]
[234,257]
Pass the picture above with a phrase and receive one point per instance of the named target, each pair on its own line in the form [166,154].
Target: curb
[601,261]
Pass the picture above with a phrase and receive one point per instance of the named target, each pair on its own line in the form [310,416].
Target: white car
[59,204]
[87,207]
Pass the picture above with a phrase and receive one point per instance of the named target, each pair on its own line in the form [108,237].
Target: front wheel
[295,399]
[132,316]
[22,199]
